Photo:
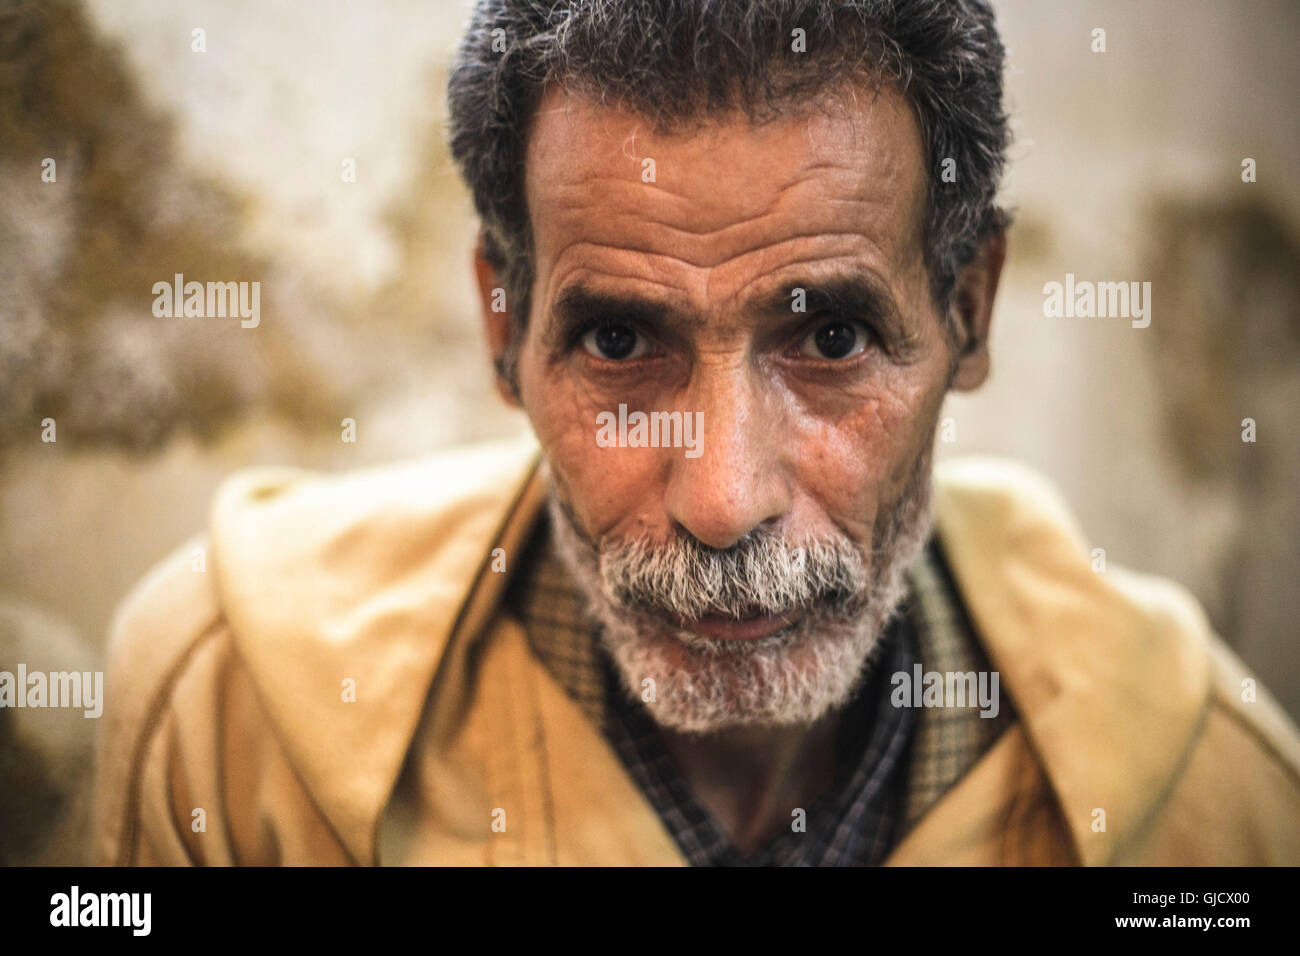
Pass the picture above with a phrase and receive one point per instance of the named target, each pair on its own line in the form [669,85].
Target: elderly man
[733,257]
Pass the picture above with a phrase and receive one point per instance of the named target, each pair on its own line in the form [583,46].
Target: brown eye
[614,341]
[838,339]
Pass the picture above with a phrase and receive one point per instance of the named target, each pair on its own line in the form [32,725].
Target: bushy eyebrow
[847,295]
[578,305]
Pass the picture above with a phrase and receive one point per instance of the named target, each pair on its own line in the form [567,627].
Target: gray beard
[695,684]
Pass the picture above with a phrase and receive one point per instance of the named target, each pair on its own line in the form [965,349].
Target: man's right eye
[614,342]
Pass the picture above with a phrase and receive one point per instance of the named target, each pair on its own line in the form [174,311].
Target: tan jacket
[228,737]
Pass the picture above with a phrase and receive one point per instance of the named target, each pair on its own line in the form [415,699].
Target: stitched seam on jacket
[152,723]
[153,719]
[1230,711]
[1171,783]
[544,771]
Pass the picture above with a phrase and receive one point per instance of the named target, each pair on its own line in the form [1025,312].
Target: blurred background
[228,164]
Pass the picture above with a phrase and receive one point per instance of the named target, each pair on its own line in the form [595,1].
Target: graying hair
[678,61]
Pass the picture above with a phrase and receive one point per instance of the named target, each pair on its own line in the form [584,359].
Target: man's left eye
[839,339]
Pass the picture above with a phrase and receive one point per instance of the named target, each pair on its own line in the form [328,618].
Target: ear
[496,318]
[972,312]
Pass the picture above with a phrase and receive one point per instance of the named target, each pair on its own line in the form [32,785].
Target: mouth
[750,627]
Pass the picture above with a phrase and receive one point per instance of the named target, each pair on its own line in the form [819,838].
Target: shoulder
[245,631]
[450,482]
[1013,536]
[303,562]
[1256,735]
[1019,515]
[1130,698]
[1002,488]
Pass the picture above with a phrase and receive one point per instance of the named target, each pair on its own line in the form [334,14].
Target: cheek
[861,461]
[611,490]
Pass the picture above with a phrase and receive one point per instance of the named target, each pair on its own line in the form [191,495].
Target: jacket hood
[356,582]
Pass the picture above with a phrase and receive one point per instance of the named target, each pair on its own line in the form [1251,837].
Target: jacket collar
[342,592]
[366,577]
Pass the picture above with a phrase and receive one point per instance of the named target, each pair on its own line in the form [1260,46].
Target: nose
[738,482]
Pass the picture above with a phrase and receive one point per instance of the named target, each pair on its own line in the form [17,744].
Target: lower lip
[723,628]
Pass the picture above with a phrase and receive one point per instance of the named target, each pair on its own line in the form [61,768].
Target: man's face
[668,271]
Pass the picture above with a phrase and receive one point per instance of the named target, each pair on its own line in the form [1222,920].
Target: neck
[753,778]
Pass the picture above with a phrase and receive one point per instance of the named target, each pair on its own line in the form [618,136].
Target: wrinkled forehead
[849,173]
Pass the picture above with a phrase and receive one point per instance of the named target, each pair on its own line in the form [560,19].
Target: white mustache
[763,573]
